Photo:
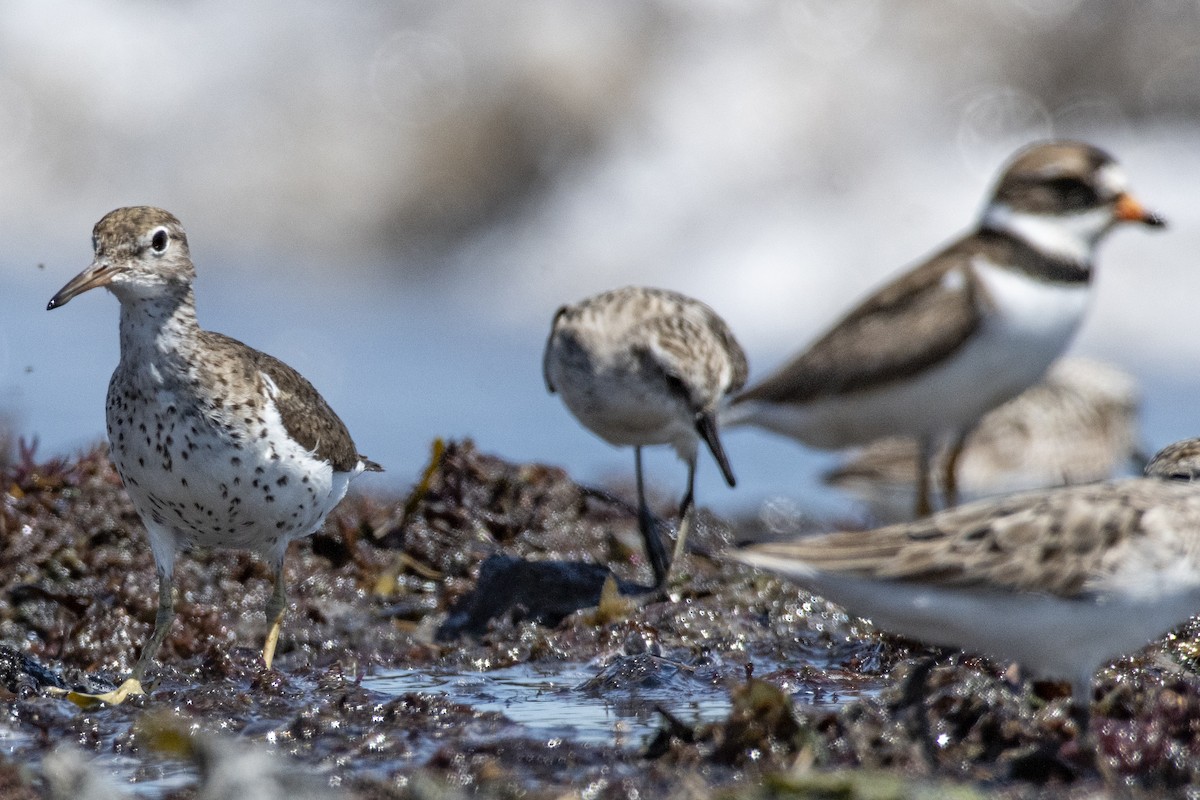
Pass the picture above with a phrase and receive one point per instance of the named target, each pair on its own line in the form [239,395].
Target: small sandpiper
[1059,580]
[217,444]
[639,367]
[976,324]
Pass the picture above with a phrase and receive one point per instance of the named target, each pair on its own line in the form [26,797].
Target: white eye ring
[159,239]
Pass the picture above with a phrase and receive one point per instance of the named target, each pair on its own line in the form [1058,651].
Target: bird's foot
[88,701]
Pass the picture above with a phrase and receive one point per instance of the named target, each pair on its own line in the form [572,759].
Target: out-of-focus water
[395,200]
[553,701]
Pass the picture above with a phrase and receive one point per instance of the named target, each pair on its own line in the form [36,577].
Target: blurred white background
[395,197]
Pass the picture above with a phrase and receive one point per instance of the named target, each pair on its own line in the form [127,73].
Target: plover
[1078,425]
[932,351]
[1059,580]
[217,444]
[640,367]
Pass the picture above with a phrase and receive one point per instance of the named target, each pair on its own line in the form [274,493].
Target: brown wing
[306,416]
[1060,541]
[917,320]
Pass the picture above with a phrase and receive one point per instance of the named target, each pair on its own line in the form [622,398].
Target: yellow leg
[133,684]
[275,608]
[86,701]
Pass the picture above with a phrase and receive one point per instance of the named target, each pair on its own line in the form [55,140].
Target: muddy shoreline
[373,592]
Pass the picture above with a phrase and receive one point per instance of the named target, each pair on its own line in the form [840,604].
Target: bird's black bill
[706,426]
[96,275]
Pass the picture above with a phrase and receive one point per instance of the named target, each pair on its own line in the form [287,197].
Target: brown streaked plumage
[1059,580]
[217,444]
[640,366]
[1177,462]
[934,349]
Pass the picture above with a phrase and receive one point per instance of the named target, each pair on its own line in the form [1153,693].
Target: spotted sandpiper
[931,352]
[218,444]
[640,366]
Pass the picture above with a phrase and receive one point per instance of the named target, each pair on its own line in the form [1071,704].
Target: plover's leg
[924,506]
[950,468]
[655,552]
[275,608]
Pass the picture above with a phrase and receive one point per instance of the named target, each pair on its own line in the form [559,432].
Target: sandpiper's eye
[159,239]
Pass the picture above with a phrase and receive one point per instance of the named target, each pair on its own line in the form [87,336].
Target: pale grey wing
[1061,541]
[918,320]
[306,416]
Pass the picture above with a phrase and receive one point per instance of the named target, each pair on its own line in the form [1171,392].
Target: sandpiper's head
[139,252]
[1061,197]
[1179,461]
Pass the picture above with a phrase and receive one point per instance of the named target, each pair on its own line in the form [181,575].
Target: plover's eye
[1074,193]
[159,239]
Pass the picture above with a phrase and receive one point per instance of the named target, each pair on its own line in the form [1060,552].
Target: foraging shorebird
[640,367]
[1059,580]
[1079,425]
[217,444]
[931,352]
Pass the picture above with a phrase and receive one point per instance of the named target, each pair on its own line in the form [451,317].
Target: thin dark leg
[655,552]
[924,506]
[950,469]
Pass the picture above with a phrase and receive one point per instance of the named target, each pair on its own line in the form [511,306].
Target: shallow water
[583,703]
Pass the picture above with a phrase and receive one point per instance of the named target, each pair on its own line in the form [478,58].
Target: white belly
[1053,636]
[1031,325]
[622,404]
[195,481]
